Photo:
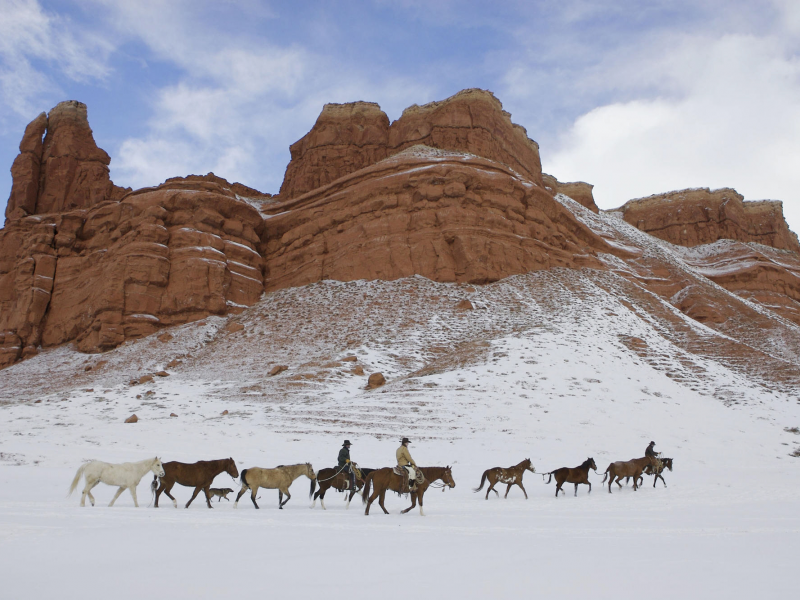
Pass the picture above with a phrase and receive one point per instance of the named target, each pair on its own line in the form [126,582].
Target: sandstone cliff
[64,171]
[702,216]
[579,191]
[349,137]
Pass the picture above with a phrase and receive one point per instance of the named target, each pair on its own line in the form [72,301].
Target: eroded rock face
[349,137]
[64,171]
[702,216]
[579,191]
[444,215]
[121,270]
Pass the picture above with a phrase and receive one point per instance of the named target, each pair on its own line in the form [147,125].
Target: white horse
[125,475]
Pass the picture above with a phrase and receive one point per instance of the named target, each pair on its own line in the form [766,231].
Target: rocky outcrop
[64,171]
[349,137]
[577,190]
[447,216]
[702,216]
[238,189]
[121,270]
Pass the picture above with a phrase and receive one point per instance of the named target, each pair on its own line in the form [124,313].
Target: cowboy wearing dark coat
[651,450]
[344,463]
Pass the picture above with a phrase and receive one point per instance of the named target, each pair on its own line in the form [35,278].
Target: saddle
[409,473]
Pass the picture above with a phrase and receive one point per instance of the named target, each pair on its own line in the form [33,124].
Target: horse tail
[605,475]
[313,487]
[483,480]
[242,478]
[77,479]
[365,491]
[549,479]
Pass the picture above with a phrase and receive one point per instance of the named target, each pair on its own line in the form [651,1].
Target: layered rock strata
[63,171]
[702,216]
[579,191]
[121,270]
[447,216]
[349,137]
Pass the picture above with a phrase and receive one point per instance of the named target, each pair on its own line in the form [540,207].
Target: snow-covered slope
[557,366]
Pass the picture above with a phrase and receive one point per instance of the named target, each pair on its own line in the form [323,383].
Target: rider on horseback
[404,460]
[651,450]
[344,463]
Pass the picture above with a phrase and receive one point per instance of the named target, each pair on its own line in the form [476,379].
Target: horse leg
[239,495]
[167,490]
[119,491]
[208,496]
[380,501]
[620,479]
[413,504]
[508,489]
[635,479]
[253,492]
[288,497]
[589,483]
[370,500]
[421,512]
[194,495]
[519,483]
[576,489]
[132,490]
[87,491]
[491,489]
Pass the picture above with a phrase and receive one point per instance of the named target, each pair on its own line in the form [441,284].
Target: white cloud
[28,36]
[728,115]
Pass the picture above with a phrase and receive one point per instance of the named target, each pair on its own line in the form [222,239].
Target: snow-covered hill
[557,366]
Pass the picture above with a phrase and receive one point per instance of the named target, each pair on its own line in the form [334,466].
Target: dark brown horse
[658,469]
[579,474]
[629,468]
[199,475]
[338,480]
[432,474]
[386,479]
[511,476]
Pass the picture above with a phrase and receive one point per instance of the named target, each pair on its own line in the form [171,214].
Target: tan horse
[431,474]
[511,476]
[386,479]
[279,478]
[579,474]
[631,468]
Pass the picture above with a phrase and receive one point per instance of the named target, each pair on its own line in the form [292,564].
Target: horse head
[667,463]
[529,466]
[230,468]
[591,463]
[310,471]
[157,468]
[447,477]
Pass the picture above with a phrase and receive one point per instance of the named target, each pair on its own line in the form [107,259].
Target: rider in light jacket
[404,460]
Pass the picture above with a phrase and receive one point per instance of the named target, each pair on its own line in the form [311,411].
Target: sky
[635,97]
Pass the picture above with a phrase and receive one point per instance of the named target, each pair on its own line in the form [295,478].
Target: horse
[431,474]
[386,479]
[579,474]
[511,476]
[338,480]
[199,475]
[280,478]
[126,475]
[631,468]
[657,469]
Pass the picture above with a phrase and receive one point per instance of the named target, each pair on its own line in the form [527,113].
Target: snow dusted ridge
[556,365]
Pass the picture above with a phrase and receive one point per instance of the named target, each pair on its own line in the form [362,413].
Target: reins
[332,476]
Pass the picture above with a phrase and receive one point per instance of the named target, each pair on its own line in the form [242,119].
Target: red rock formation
[120,270]
[349,137]
[345,138]
[237,188]
[444,215]
[701,216]
[578,190]
[65,171]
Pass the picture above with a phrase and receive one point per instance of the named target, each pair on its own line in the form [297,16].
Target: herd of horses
[371,484]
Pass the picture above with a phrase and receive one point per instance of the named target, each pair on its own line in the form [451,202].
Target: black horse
[338,480]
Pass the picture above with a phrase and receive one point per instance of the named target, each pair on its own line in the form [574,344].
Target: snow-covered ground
[513,379]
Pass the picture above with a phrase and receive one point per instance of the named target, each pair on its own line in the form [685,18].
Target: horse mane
[588,461]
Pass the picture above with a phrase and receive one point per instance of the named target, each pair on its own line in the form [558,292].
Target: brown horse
[338,480]
[432,474]
[199,475]
[579,474]
[386,479]
[631,468]
[511,476]
[657,469]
